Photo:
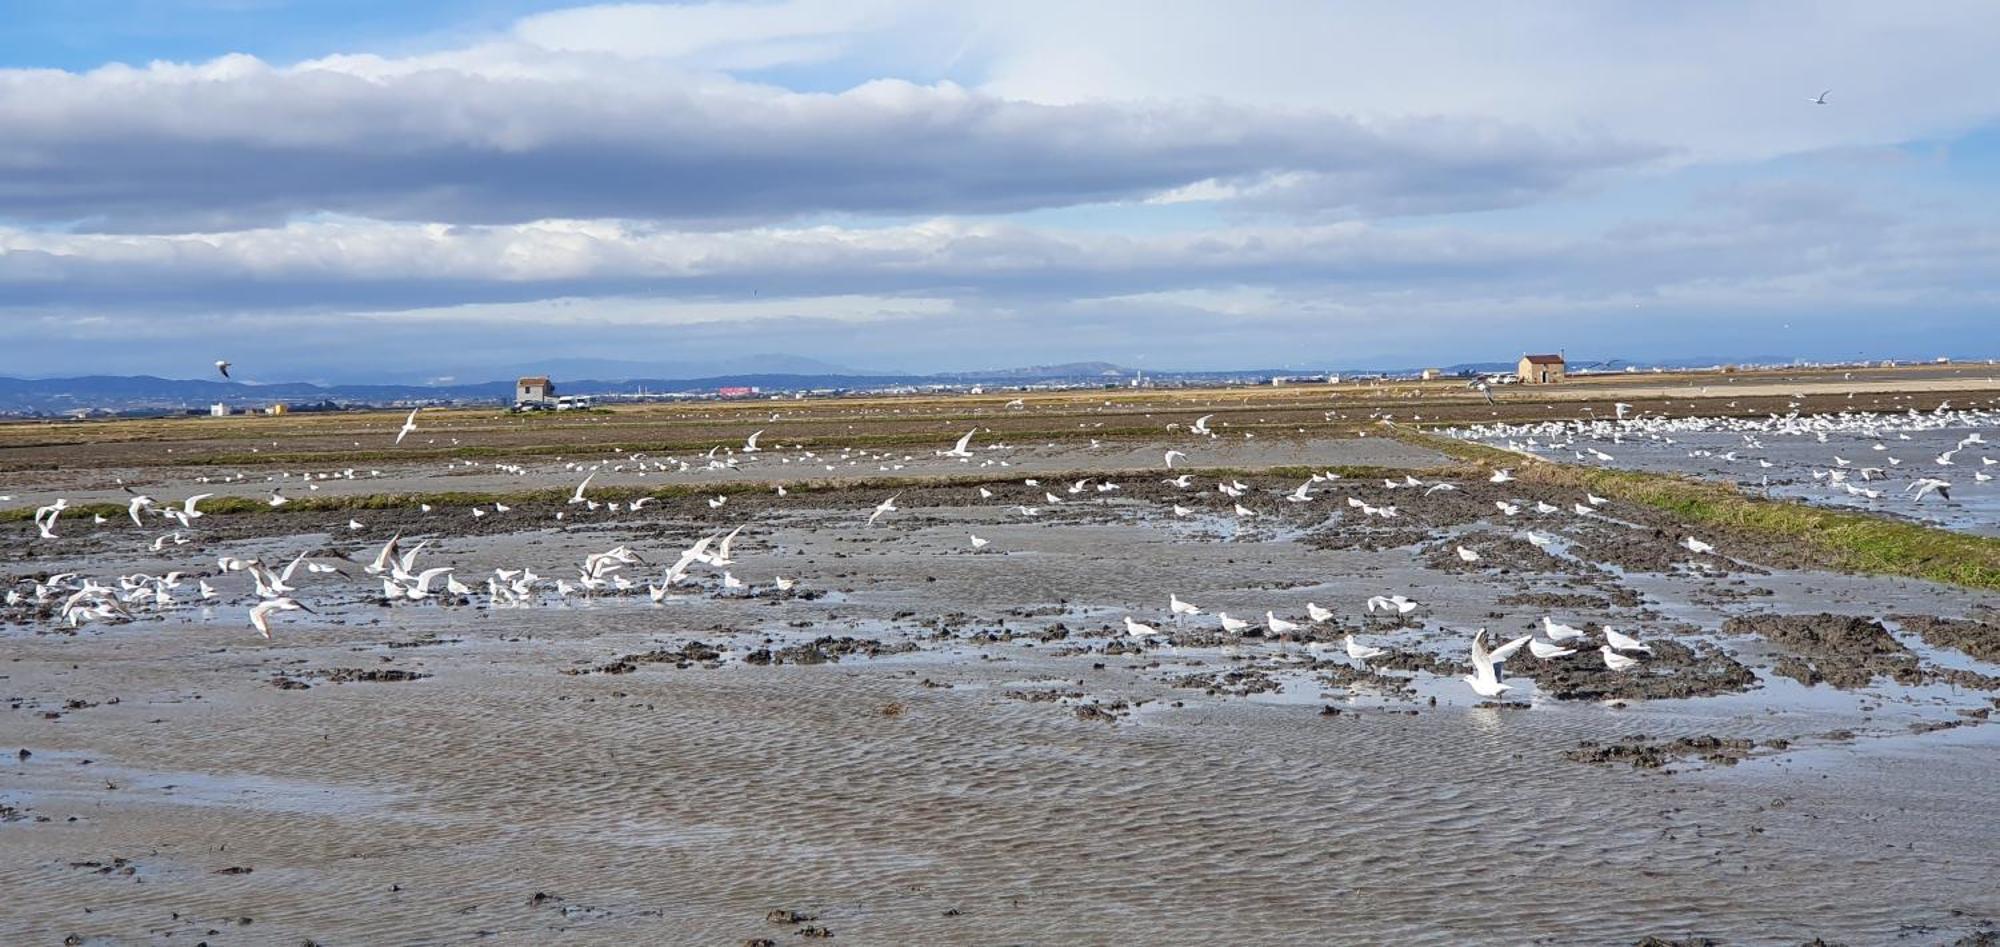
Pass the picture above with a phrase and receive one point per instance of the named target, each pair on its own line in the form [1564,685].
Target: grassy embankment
[1840,539]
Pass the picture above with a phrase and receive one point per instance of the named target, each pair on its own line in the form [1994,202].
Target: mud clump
[366,675]
[1642,753]
[686,656]
[1977,639]
[1841,650]
[826,650]
[1672,670]
[1231,683]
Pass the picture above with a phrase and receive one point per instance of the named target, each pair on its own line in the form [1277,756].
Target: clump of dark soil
[1643,753]
[684,657]
[366,675]
[1977,639]
[1672,670]
[1556,600]
[1842,650]
[1236,682]
[827,649]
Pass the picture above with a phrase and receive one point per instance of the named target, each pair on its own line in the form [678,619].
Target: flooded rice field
[995,712]
[1940,466]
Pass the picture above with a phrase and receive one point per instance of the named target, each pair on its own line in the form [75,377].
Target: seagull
[260,614]
[959,449]
[1927,486]
[409,425]
[750,443]
[1483,679]
[1821,100]
[1139,629]
[1362,652]
[1179,608]
[1278,625]
[1317,613]
[1173,454]
[1467,555]
[1400,604]
[1696,546]
[886,506]
[222,365]
[977,543]
[1200,425]
[1545,651]
[1558,631]
[1232,625]
[1625,642]
[1616,661]
[1501,476]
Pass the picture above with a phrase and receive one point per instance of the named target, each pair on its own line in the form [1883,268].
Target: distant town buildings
[1542,369]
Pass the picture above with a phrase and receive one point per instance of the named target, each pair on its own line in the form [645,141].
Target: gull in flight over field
[222,365]
[1501,476]
[886,506]
[1173,454]
[959,449]
[576,499]
[260,614]
[409,425]
[1397,603]
[1927,486]
[1200,425]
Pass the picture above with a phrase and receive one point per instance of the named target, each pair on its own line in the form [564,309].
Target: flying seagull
[409,425]
[1822,98]
[222,365]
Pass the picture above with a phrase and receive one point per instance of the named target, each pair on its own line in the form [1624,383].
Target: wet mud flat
[920,742]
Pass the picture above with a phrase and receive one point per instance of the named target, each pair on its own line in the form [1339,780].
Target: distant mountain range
[145,393]
[775,373]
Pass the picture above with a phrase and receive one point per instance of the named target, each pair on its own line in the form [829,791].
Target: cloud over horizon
[731,177]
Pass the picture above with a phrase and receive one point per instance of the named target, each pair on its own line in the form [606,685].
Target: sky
[376,190]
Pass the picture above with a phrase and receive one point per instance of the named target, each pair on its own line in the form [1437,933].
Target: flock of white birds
[270,587]
[1863,462]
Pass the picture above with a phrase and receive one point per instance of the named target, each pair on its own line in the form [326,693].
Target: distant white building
[218,410]
[535,391]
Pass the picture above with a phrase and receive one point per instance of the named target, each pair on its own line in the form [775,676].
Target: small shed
[1541,369]
[535,390]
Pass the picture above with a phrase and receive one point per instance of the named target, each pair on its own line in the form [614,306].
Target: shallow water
[921,798]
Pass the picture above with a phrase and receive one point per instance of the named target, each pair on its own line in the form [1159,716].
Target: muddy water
[961,792]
